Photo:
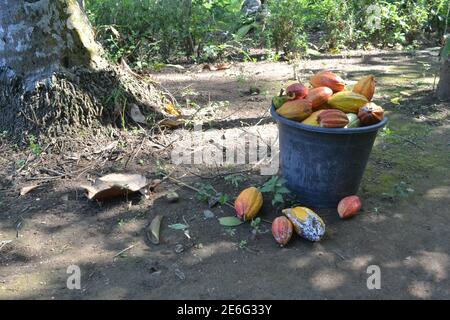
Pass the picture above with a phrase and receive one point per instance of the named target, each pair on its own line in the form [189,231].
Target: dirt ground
[403,227]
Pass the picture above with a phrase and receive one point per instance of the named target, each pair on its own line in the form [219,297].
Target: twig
[125,250]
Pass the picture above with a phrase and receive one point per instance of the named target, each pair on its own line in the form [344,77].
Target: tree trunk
[42,37]
[52,74]
[443,88]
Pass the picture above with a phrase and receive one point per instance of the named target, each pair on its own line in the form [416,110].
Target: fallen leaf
[178,226]
[28,189]
[396,101]
[153,229]
[136,114]
[217,67]
[171,123]
[230,221]
[117,184]
[172,110]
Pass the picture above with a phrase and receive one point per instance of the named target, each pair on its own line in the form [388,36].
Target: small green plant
[234,179]
[206,192]
[34,146]
[243,244]
[276,186]
[256,224]
[21,163]
[402,190]
[121,222]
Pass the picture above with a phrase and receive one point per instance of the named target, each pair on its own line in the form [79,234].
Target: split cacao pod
[328,79]
[349,207]
[312,120]
[297,91]
[370,114]
[348,101]
[319,96]
[307,223]
[282,230]
[248,203]
[332,118]
[298,110]
[366,87]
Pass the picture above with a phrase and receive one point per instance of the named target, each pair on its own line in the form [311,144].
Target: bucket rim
[305,127]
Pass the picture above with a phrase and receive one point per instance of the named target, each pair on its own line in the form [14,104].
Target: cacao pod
[332,118]
[328,79]
[298,110]
[282,230]
[348,101]
[349,207]
[307,223]
[297,91]
[319,96]
[370,114]
[278,101]
[366,87]
[353,121]
[312,119]
[248,203]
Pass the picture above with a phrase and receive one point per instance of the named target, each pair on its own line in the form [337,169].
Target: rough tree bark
[52,74]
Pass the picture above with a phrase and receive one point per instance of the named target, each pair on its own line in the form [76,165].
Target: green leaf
[230,221]
[178,226]
[283,190]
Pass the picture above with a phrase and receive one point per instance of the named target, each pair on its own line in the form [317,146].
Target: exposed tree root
[80,100]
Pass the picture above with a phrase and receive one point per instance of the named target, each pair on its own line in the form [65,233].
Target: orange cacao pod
[349,207]
[328,79]
[370,114]
[298,110]
[366,87]
[319,96]
[248,203]
[297,91]
[332,118]
[282,230]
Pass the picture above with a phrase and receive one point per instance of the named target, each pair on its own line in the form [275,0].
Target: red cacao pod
[282,230]
[328,79]
[319,96]
[297,91]
[370,114]
[349,207]
[332,118]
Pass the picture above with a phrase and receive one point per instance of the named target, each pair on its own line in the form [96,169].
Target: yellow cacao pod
[307,223]
[297,110]
[248,203]
[348,101]
[313,120]
[366,87]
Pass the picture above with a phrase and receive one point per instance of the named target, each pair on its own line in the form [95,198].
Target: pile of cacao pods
[329,104]
[304,221]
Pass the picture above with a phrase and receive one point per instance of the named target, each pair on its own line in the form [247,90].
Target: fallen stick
[125,250]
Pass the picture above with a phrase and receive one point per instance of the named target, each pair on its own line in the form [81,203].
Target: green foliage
[234,179]
[148,32]
[275,186]
[34,146]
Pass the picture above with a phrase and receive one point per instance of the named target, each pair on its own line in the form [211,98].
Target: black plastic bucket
[323,165]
